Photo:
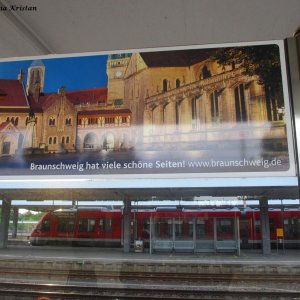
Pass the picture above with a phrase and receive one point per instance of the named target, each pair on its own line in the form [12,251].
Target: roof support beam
[33,38]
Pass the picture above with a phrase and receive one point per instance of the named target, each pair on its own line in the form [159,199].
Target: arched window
[63,140]
[51,121]
[240,103]
[195,119]
[165,85]
[214,106]
[67,140]
[16,121]
[205,72]
[68,120]
[50,140]
[54,140]
[177,115]
[177,83]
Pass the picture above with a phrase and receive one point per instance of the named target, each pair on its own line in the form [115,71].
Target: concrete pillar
[265,226]
[15,222]
[126,225]
[5,212]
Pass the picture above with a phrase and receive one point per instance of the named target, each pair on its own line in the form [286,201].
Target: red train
[197,230]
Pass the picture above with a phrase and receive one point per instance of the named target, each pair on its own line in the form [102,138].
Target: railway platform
[277,275]
[75,256]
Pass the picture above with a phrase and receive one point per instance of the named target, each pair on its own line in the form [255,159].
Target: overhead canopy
[27,33]
[282,188]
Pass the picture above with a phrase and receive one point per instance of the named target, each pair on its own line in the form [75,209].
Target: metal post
[4,225]
[293,49]
[265,226]
[150,237]
[237,235]
[127,225]
[15,223]
[215,234]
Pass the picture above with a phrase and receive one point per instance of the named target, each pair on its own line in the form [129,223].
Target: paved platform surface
[287,257]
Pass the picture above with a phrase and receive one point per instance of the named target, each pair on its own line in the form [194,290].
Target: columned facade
[211,104]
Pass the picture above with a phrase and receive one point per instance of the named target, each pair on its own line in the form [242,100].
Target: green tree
[263,61]
[30,216]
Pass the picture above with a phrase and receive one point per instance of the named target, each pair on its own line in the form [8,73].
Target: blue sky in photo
[74,73]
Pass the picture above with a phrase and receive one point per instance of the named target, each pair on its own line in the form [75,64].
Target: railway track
[148,276]
[22,291]
[28,284]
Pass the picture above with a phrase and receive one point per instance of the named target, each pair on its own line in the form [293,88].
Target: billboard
[183,112]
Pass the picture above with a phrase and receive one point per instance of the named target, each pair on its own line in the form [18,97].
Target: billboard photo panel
[217,111]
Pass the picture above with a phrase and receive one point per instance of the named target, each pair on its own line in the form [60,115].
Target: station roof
[145,189]
[201,203]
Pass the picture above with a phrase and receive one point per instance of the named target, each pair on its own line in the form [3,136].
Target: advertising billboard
[183,112]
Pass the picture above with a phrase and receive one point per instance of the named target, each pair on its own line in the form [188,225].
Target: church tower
[116,68]
[35,79]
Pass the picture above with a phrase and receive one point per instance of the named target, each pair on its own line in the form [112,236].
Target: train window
[86,225]
[133,229]
[65,225]
[201,224]
[272,227]
[145,228]
[257,225]
[45,226]
[292,228]
[178,228]
[183,229]
[225,228]
[164,228]
[105,225]
[225,225]
[191,228]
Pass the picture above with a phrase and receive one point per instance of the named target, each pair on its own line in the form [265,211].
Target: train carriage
[82,226]
[284,228]
[169,228]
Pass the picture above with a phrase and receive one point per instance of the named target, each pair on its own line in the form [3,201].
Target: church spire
[35,79]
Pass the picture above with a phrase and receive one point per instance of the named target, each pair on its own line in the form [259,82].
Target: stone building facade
[188,99]
[33,122]
[153,100]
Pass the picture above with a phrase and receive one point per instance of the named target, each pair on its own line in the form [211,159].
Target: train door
[86,231]
[204,234]
[244,234]
[106,232]
[65,229]
[292,232]
[162,238]
[183,237]
[226,231]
